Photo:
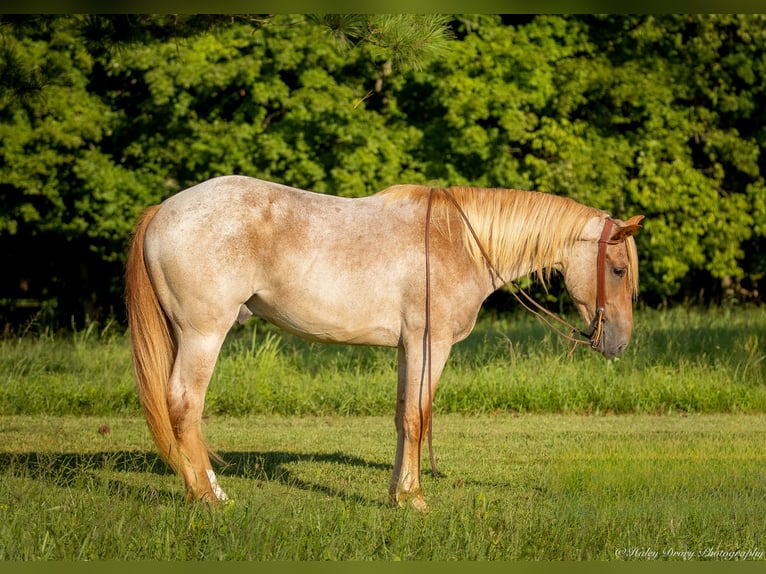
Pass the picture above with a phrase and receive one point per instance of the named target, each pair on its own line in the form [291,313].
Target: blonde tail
[152,345]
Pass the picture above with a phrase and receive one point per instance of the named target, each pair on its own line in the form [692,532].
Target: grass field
[655,456]
[527,487]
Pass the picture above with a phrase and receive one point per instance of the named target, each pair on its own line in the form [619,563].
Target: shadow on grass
[77,470]
[73,470]
[270,465]
[276,466]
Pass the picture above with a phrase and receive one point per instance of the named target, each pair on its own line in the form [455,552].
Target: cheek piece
[597,324]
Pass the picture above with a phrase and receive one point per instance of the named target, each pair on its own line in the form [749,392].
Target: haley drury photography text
[650,553]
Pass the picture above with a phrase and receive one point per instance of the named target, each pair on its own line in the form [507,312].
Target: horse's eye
[620,271]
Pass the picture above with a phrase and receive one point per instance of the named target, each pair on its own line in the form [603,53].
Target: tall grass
[679,361]
[79,373]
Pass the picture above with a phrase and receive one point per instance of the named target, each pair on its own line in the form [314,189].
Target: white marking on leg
[219,493]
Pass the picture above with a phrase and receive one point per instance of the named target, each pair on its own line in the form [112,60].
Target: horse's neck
[515,233]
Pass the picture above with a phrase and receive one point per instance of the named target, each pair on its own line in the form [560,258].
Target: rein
[592,338]
[434,471]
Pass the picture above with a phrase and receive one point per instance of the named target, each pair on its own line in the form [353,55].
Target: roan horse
[408,267]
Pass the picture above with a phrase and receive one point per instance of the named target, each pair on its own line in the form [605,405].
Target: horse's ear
[628,228]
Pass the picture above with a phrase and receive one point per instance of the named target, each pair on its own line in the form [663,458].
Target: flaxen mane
[524,231]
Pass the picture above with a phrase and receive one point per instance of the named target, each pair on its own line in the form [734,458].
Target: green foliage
[611,112]
[403,40]
[101,116]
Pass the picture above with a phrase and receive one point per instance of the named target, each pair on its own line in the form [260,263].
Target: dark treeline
[101,116]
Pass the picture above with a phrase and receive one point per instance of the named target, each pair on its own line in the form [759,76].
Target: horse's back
[237,201]
[327,267]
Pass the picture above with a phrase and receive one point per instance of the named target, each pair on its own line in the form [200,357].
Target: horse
[407,267]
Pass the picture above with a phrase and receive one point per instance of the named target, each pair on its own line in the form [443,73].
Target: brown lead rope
[434,471]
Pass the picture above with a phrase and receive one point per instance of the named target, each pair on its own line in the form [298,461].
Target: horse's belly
[327,323]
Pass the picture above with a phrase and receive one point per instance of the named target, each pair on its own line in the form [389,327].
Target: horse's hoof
[208,497]
[417,501]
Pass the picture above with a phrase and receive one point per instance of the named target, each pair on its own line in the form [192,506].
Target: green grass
[658,454]
[679,361]
[527,487]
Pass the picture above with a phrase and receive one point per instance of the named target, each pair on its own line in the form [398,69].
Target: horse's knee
[410,426]
[185,410]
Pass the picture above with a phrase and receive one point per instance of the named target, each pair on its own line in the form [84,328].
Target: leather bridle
[592,338]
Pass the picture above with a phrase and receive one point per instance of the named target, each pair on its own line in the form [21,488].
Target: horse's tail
[153,346]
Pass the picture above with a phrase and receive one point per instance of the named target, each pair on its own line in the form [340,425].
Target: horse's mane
[524,231]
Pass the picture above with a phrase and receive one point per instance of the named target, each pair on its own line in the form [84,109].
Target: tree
[632,114]
[101,116]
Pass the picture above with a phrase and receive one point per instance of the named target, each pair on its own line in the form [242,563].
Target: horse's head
[601,275]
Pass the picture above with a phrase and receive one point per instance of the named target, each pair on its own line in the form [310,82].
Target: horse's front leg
[413,412]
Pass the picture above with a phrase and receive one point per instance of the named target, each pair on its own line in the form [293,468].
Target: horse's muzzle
[612,340]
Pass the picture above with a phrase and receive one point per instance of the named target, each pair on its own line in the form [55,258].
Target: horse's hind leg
[195,360]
